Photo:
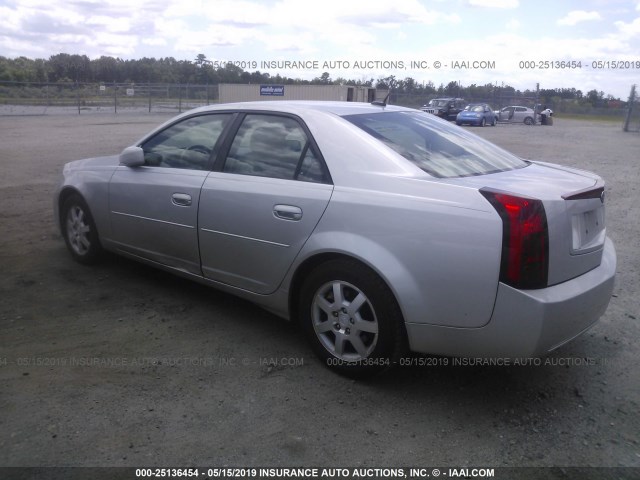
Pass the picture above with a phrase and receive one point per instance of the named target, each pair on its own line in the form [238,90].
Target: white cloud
[111,24]
[513,24]
[577,16]
[629,29]
[194,42]
[10,19]
[495,3]
[154,42]
[223,11]
[302,44]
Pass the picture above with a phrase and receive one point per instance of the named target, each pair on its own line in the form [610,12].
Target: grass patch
[618,117]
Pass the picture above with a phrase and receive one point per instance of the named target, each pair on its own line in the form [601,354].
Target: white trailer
[233,92]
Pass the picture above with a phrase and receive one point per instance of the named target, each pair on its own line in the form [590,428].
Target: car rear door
[154,208]
[519,114]
[262,202]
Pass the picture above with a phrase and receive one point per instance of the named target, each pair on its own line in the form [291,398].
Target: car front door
[506,114]
[488,114]
[154,208]
[261,203]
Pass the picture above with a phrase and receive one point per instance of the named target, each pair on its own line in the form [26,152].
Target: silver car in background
[516,114]
[379,229]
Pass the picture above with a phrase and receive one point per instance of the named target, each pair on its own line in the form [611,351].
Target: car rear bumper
[527,323]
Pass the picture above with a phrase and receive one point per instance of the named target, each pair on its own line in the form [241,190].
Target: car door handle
[287,212]
[181,199]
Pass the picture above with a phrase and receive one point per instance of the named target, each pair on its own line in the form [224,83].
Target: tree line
[69,69]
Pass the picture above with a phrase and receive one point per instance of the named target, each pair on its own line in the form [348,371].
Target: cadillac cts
[377,228]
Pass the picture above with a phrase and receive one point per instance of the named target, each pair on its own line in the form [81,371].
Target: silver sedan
[379,229]
[516,114]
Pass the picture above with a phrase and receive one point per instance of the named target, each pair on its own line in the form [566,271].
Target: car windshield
[438,103]
[438,148]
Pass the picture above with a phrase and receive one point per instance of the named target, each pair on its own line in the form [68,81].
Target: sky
[511,42]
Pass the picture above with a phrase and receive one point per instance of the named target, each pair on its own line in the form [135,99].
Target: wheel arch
[70,197]
[64,194]
[309,264]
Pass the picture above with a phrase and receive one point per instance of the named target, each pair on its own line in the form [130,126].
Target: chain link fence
[50,98]
[558,105]
[19,98]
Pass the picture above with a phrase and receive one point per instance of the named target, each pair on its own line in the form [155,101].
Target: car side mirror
[132,157]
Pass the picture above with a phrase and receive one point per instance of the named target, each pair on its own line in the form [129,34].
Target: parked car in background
[479,114]
[516,114]
[377,228]
[447,108]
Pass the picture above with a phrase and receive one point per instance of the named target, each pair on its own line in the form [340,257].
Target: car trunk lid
[574,206]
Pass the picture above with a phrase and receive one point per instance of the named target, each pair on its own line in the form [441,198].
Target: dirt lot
[123,365]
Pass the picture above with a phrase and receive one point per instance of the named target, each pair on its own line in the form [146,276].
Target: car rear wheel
[528,121]
[79,230]
[351,319]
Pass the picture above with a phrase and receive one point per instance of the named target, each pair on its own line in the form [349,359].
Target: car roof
[301,106]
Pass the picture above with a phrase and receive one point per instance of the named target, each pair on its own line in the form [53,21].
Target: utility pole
[630,105]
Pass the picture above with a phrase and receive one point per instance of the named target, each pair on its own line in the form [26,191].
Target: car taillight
[525,239]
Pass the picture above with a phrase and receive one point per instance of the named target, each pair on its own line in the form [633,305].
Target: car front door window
[187,144]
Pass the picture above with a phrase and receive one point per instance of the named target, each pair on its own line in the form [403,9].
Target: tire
[79,230]
[493,122]
[528,121]
[459,124]
[351,319]
[482,122]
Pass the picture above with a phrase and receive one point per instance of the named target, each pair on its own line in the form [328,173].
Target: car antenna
[382,103]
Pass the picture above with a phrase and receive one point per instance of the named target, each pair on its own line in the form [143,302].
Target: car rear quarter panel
[437,245]
[440,256]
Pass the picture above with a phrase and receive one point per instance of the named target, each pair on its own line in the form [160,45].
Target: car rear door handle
[181,199]
[287,212]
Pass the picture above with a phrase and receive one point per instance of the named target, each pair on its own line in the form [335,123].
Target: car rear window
[439,148]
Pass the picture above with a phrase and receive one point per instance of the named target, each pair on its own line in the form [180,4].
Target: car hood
[94,162]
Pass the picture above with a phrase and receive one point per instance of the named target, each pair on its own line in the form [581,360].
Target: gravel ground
[122,365]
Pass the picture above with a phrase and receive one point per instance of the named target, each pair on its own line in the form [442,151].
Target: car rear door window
[276,147]
[187,144]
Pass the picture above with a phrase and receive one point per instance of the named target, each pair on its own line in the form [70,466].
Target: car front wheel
[79,230]
[351,319]
[528,121]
